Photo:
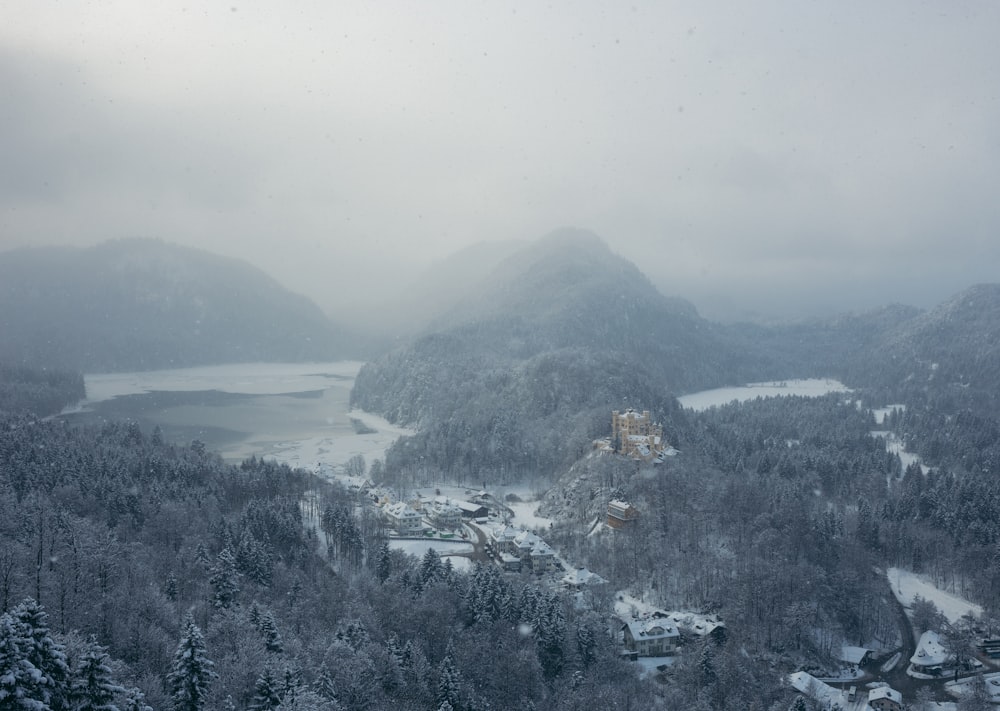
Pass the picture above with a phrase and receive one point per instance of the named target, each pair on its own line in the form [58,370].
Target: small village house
[621,513]
[650,638]
[885,698]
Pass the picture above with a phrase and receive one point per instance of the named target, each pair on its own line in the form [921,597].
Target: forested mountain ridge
[950,354]
[522,377]
[141,304]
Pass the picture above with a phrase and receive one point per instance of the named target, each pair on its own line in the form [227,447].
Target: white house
[930,655]
[885,698]
[650,638]
[444,515]
[403,519]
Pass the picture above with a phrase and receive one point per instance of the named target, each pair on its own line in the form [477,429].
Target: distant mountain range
[523,368]
[139,304]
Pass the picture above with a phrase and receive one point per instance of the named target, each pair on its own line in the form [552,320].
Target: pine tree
[92,687]
[266,693]
[191,671]
[42,652]
[223,580]
[383,563]
[449,684]
[19,680]
[269,629]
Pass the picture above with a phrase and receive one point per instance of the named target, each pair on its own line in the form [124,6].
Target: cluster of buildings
[661,633]
[413,518]
[880,698]
[636,436]
[517,549]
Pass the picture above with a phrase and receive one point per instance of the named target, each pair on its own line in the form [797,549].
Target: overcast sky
[782,158]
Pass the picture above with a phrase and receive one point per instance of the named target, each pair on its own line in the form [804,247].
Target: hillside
[144,304]
[522,377]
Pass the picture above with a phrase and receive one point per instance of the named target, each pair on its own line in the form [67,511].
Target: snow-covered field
[906,586]
[894,445]
[419,548]
[811,387]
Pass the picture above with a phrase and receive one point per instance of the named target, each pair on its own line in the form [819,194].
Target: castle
[636,435]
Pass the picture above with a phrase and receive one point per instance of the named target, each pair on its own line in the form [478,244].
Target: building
[636,436]
[468,510]
[930,655]
[650,638]
[531,549]
[825,695]
[444,514]
[621,513]
[885,698]
[402,519]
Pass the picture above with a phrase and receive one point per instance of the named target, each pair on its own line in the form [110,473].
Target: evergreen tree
[449,684]
[42,652]
[19,680]
[383,562]
[223,580]
[266,693]
[93,688]
[191,671]
[269,629]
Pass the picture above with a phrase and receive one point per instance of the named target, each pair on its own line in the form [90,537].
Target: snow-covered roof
[400,510]
[651,629]
[852,655]
[885,692]
[618,504]
[816,689]
[526,540]
[466,506]
[930,652]
[582,576]
[445,507]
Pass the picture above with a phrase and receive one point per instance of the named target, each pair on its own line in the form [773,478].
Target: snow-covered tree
[92,687]
[191,671]
[42,652]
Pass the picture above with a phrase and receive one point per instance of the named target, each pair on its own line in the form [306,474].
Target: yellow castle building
[636,435]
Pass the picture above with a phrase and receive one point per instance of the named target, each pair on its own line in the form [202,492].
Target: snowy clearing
[811,387]
[906,586]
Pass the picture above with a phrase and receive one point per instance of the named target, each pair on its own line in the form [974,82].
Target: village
[466,525]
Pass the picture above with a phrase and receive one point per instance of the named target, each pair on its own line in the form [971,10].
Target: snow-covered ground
[811,387]
[894,445]
[906,586]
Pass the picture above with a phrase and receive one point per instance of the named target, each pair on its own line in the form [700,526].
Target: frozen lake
[298,413]
[810,387]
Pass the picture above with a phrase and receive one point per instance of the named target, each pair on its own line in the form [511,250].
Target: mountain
[523,373]
[139,304]
[950,354]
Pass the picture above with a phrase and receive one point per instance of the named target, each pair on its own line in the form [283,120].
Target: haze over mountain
[140,304]
[557,333]
[519,373]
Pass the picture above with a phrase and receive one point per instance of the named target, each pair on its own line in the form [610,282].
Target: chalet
[443,514]
[885,698]
[650,638]
[855,656]
[621,513]
[930,655]
[402,518]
